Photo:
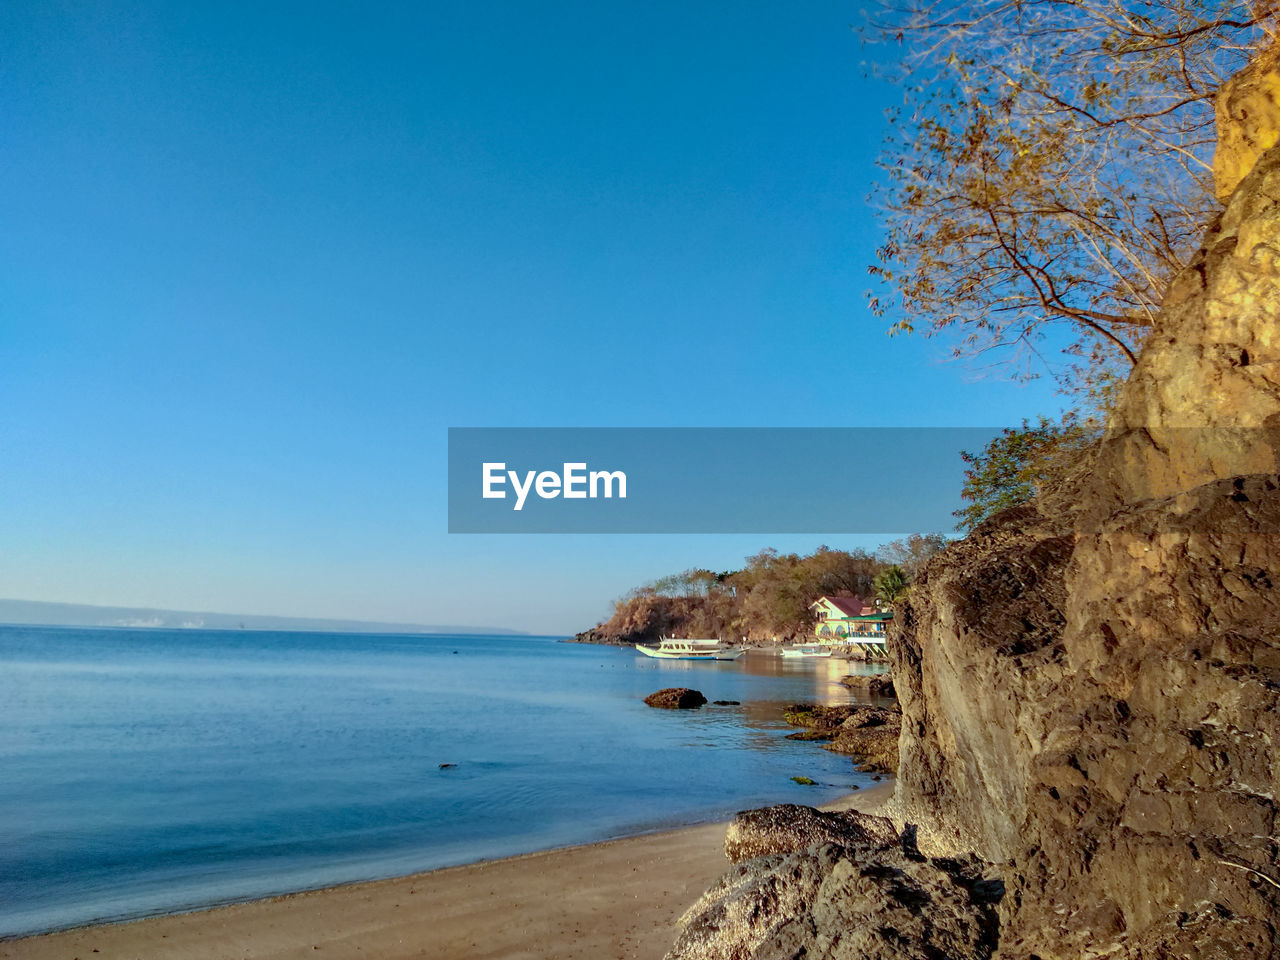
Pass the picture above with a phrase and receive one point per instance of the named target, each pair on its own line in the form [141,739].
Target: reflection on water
[822,674]
[829,669]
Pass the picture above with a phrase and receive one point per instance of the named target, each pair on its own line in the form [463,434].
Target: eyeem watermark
[764,480]
[574,482]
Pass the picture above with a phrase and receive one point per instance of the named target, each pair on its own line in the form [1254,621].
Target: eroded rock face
[977,649]
[844,903]
[1248,108]
[1090,686]
[1203,402]
[788,827]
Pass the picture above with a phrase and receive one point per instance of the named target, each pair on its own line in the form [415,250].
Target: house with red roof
[849,620]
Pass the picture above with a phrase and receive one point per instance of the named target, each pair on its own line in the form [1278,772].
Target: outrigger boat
[807,650]
[672,648]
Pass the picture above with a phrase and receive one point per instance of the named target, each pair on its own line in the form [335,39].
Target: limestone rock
[788,827]
[1203,402]
[824,719]
[827,903]
[1248,116]
[676,698]
[977,647]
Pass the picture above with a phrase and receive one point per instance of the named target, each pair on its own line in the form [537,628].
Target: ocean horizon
[153,771]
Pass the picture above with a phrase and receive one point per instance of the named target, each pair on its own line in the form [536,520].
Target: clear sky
[257,258]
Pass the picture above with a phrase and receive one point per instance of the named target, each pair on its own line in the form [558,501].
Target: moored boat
[807,650]
[678,648]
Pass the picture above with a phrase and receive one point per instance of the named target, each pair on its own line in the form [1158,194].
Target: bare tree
[911,553]
[1049,171]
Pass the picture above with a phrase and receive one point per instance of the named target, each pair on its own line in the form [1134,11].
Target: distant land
[39,613]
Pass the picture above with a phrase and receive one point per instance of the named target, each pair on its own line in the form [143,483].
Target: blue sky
[257,259]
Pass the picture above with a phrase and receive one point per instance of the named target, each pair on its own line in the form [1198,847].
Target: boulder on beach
[835,901]
[789,827]
[676,698]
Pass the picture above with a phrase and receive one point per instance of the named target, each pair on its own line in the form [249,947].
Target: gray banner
[707,480]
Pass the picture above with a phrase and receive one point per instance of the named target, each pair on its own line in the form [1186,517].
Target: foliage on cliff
[1019,464]
[1049,171]
[891,585]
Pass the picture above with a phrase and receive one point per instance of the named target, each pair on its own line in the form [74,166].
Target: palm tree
[891,585]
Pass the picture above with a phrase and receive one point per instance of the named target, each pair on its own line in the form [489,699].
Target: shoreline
[614,898]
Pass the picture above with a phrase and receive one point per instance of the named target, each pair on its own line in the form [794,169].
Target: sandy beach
[618,899]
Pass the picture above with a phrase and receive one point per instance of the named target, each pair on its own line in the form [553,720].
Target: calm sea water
[146,771]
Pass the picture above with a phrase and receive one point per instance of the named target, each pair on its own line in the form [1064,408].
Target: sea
[147,771]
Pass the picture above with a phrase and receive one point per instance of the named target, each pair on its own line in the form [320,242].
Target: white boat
[674,648]
[807,650]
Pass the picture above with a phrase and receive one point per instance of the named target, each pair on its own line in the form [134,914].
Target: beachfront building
[833,614]
[848,620]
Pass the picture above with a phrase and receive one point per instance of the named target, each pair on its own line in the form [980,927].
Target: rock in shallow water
[868,734]
[872,741]
[871,685]
[676,698]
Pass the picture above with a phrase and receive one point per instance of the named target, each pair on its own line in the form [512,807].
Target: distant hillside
[85,615]
[769,599]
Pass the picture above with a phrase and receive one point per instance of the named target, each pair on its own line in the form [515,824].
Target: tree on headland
[777,589]
[912,552]
[695,582]
[770,596]
[891,586]
[1049,170]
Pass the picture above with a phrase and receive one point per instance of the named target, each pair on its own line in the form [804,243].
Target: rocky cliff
[1089,684]
[1248,113]
[648,617]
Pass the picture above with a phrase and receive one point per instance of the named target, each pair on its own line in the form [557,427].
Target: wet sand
[618,899]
